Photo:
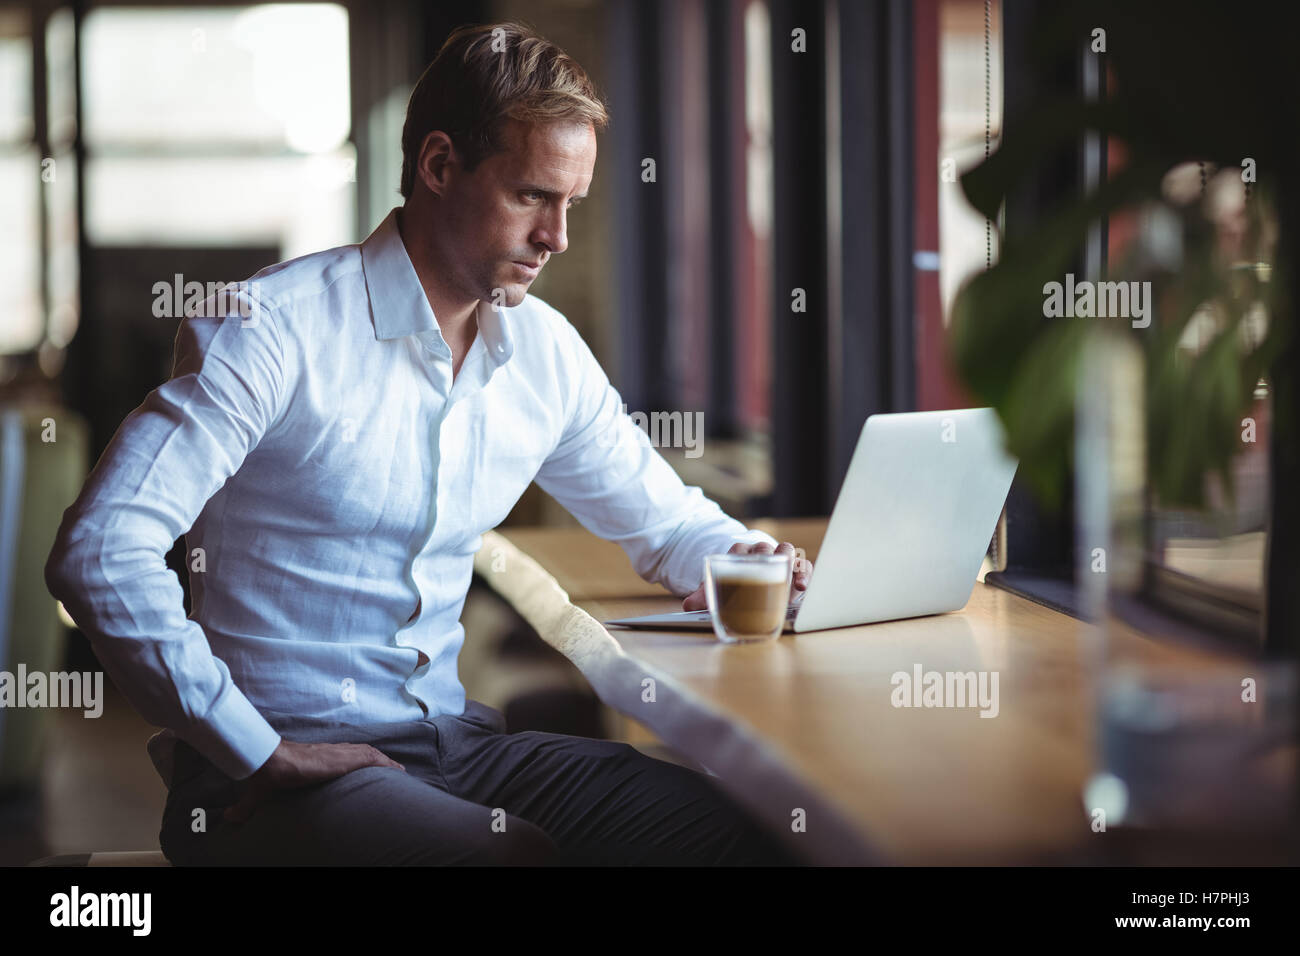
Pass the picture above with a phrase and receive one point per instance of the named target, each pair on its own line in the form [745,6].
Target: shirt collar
[398,305]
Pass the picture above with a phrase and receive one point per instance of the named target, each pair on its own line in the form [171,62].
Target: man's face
[511,211]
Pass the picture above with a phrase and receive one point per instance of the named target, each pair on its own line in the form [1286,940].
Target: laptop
[910,528]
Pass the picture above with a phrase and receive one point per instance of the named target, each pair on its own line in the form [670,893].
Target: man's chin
[509,294]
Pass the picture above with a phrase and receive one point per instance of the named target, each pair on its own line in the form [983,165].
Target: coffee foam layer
[758,573]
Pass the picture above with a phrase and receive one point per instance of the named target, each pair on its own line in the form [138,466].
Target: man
[335,456]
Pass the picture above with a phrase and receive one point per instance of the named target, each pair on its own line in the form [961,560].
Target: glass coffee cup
[748,595]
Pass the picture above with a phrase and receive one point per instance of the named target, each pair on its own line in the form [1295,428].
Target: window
[964,238]
[21,302]
[219,126]
[1210,562]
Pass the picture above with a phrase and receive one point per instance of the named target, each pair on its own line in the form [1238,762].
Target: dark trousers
[471,795]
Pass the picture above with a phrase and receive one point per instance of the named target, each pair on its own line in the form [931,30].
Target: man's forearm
[160,661]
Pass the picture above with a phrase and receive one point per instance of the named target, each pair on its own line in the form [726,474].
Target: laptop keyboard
[790,613]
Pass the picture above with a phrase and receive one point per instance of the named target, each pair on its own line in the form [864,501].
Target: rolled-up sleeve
[108,563]
[608,475]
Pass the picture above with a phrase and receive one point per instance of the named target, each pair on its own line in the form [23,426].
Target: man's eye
[532,195]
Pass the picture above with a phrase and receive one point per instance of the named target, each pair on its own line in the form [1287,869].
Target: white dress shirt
[333,482]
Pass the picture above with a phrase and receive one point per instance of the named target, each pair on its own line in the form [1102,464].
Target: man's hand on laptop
[696,601]
[299,765]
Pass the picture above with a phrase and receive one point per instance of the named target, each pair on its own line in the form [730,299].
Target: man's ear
[437,155]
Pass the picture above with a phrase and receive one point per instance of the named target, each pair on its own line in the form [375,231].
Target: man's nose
[554,233]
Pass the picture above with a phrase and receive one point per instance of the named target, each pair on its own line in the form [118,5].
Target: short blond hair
[487,74]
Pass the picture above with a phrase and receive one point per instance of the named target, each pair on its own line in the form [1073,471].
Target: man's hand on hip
[299,765]
[696,600]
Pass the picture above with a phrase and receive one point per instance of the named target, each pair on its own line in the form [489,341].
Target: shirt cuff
[235,737]
[754,536]
[716,543]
